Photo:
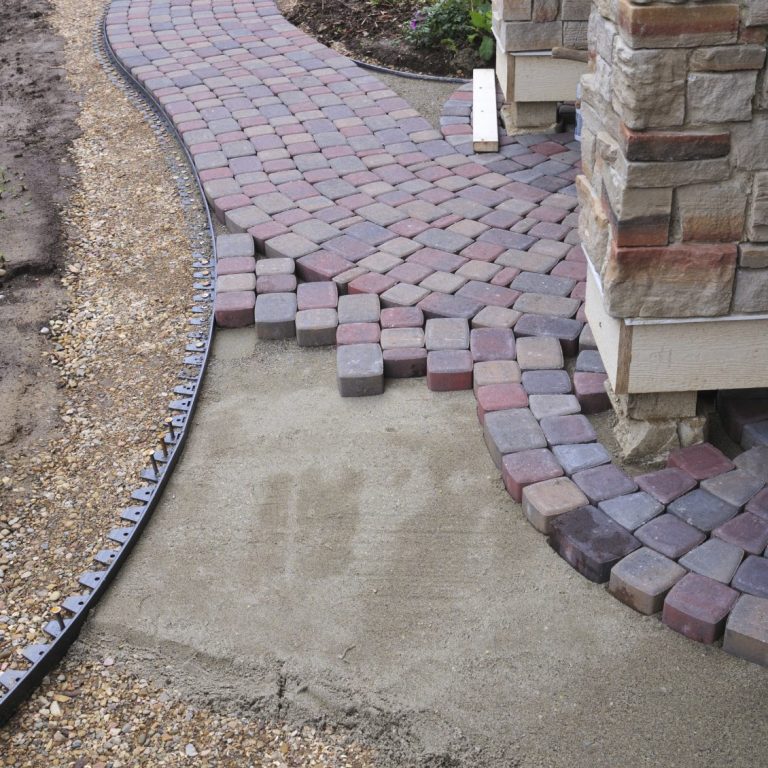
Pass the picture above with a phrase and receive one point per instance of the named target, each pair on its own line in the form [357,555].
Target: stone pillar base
[649,425]
[529,116]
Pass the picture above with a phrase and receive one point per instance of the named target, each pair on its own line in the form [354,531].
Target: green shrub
[453,24]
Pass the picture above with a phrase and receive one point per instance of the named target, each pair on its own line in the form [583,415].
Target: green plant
[445,22]
[482,37]
[451,24]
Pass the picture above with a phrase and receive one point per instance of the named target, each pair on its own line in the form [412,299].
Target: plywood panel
[540,77]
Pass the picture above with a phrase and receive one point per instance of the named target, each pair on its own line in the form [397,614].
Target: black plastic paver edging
[19,684]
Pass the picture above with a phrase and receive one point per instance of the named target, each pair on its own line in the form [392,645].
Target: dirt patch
[37,123]
[372,31]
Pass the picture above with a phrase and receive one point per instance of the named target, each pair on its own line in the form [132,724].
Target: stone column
[533,81]
[674,204]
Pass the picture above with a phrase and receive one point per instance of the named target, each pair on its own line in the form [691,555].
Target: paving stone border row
[354,223]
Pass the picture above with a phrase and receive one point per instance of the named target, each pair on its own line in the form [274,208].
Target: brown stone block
[712,212]
[670,146]
[673,26]
[679,280]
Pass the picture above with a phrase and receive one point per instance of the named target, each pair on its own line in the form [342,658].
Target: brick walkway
[392,240]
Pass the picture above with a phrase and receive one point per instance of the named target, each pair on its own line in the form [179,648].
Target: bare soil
[372,31]
[37,124]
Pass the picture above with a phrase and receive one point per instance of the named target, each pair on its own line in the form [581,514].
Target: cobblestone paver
[353,222]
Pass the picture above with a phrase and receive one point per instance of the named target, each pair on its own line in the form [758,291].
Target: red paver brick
[235,309]
[323,295]
[449,369]
[527,467]
[499,397]
[589,389]
[358,333]
[701,461]
[402,317]
[666,484]
[275,283]
[697,607]
[321,266]
[487,344]
[670,536]
[371,283]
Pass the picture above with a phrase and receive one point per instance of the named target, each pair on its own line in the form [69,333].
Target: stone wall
[674,196]
[540,25]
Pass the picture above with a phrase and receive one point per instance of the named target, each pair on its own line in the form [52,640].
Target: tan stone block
[637,97]
[758,209]
[594,227]
[575,10]
[515,10]
[712,212]
[672,146]
[753,256]
[601,35]
[750,143]
[527,36]
[727,58]
[756,13]
[677,26]
[750,293]
[654,405]
[575,34]
[540,115]
[505,73]
[679,280]
[545,10]
[643,175]
[715,97]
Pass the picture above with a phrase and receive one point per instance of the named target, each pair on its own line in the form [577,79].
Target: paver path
[332,176]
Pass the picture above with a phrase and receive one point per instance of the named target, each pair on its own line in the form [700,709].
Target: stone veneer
[537,25]
[674,195]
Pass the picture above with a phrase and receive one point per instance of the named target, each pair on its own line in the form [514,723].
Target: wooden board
[678,355]
[540,77]
[485,121]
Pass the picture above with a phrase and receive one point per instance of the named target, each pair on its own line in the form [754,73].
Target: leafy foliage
[453,24]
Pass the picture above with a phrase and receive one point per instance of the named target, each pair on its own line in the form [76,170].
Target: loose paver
[316,327]
[499,397]
[360,370]
[449,370]
[643,578]
[275,315]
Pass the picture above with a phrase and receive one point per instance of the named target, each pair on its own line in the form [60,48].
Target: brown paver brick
[264,267]
[397,338]
[566,430]
[235,265]
[446,333]
[544,501]
[404,295]
[495,317]
[590,391]
[747,531]
[234,310]
[359,308]
[496,372]
[276,284]
[487,344]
